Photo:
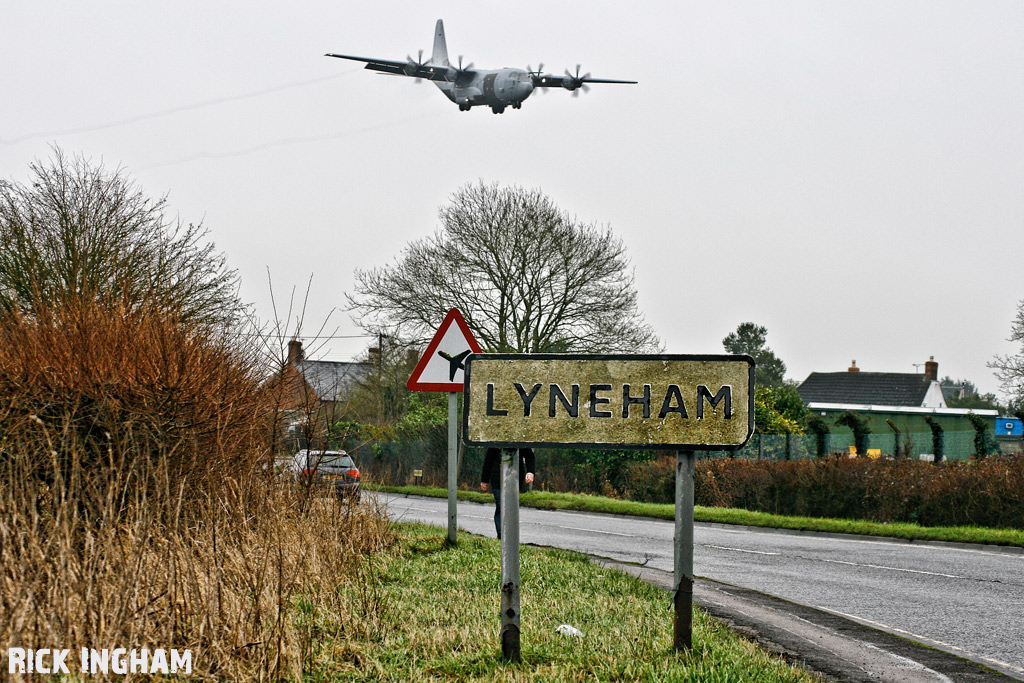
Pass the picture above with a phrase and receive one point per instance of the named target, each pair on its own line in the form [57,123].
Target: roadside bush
[980,493]
[89,389]
[651,481]
[986,493]
[138,510]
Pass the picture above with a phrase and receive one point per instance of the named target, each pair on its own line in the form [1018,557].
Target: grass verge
[573,501]
[440,621]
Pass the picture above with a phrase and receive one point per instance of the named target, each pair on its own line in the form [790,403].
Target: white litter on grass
[567,630]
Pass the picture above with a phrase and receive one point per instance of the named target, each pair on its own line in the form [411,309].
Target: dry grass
[136,510]
[228,583]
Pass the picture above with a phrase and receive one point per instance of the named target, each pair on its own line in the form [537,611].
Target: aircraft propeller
[576,83]
[413,66]
[453,73]
[536,75]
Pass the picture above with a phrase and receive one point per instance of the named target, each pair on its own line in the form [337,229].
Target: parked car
[330,469]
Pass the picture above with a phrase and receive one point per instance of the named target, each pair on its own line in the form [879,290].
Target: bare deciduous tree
[1009,370]
[77,231]
[527,276]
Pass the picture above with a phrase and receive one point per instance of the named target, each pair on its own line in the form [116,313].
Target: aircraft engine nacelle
[410,68]
[451,73]
[569,83]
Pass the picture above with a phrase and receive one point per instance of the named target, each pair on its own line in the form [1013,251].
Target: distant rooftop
[865,388]
[333,380]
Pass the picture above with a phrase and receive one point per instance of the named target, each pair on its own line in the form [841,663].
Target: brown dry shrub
[651,481]
[981,493]
[137,510]
[122,388]
[261,586]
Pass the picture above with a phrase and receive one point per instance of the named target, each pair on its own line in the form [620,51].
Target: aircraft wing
[402,68]
[552,81]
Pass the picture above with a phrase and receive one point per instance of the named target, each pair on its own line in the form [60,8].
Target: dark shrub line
[987,493]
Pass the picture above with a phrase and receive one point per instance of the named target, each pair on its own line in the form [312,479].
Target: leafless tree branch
[527,277]
[78,231]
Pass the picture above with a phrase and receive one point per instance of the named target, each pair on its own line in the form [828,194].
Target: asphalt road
[963,600]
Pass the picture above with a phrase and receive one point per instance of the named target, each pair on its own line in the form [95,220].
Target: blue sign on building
[1009,426]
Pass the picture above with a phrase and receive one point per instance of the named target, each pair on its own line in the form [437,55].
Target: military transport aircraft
[469,87]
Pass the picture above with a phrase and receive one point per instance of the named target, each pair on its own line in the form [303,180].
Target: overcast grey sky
[850,175]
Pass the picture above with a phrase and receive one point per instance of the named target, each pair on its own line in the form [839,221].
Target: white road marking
[850,564]
[596,531]
[817,635]
[925,639]
[740,550]
[409,508]
[892,569]
[920,544]
[911,664]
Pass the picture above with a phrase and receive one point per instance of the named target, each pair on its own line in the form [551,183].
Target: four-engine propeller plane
[469,87]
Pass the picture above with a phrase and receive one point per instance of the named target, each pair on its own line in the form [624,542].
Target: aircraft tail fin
[440,56]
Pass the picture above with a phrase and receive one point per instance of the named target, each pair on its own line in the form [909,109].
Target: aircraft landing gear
[498,110]
[517,105]
[465,106]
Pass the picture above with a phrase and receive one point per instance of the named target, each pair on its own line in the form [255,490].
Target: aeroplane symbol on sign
[469,87]
[455,362]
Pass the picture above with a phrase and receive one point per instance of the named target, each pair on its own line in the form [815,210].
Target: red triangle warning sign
[443,365]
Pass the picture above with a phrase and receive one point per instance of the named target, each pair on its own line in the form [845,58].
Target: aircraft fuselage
[494,88]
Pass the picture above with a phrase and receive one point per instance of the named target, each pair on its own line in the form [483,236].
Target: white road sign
[443,365]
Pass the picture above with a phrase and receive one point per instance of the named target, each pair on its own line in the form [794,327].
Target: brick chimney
[931,369]
[853,367]
[295,352]
[373,355]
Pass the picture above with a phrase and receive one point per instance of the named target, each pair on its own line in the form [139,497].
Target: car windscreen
[342,461]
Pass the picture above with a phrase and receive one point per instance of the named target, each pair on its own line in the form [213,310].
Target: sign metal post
[510,555]
[453,467]
[682,582]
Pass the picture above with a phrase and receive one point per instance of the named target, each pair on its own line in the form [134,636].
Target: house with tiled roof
[895,405]
[319,382]
[331,381]
[314,394]
[855,387]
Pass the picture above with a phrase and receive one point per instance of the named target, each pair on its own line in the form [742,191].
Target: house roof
[875,388]
[332,380]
